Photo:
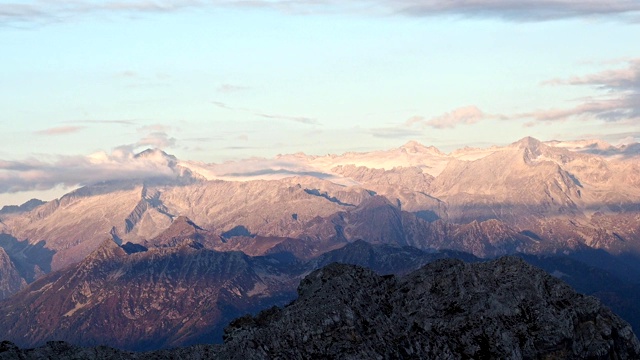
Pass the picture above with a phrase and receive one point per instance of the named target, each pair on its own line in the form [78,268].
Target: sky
[86,84]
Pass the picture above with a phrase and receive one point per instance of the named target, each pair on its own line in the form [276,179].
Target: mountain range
[227,239]
[502,309]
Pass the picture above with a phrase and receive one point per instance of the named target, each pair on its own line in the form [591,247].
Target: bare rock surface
[504,309]
[448,309]
[10,279]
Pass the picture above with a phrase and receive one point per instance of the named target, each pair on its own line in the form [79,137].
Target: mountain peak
[153,152]
[157,155]
[27,206]
[527,142]
[431,323]
[181,229]
[415,147]
[108,249]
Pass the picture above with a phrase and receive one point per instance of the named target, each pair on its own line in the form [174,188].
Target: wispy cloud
[116,122]
[299,119]
[466,115]
[619,99]
[132,79]
[519,10]
[230,88]
[51,11]
[48,11]
[71,171]
[59,130]
[160,140]
[395,133]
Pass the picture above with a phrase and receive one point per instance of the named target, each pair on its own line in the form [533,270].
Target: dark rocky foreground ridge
[447,309]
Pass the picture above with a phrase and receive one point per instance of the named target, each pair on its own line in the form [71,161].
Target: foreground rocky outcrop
[504,309]
[447,309]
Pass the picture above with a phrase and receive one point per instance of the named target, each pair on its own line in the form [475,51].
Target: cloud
[619,99]
[117,122]
[228,88]
[49,11]
[222,105]
[160,140]
[298,119]
[626,79]
[261,168]
[60,130]
[71,171]
[127,74]
[154,128]
[394,133]
[518,10]
[466,115]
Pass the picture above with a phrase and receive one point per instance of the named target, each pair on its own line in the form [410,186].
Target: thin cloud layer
[230,88]
[299,119]
[157,139]
[47,11]
[466,115]
[519,10]
[71,171]
[395,133]
[108,122]
[620,100]
[60,130]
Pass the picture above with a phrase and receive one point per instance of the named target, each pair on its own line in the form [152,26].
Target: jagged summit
[108,250]
[527,142]
[27,206]
[181,230]
[415,147]
[154,152]
[503,309]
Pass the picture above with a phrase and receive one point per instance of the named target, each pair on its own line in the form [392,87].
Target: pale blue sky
[213,82]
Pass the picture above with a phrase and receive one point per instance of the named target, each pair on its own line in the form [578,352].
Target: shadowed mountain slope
[447,309]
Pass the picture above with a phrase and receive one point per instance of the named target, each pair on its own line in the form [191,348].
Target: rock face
[10,280]
[144,299]
[139,298]
[504,309]
[529,196]
[162,297]
[27,206]
[448,309]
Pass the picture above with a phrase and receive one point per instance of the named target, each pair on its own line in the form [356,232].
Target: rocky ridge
[447,309]
[161,297]
[10,279]
[538,198]
[504,309]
